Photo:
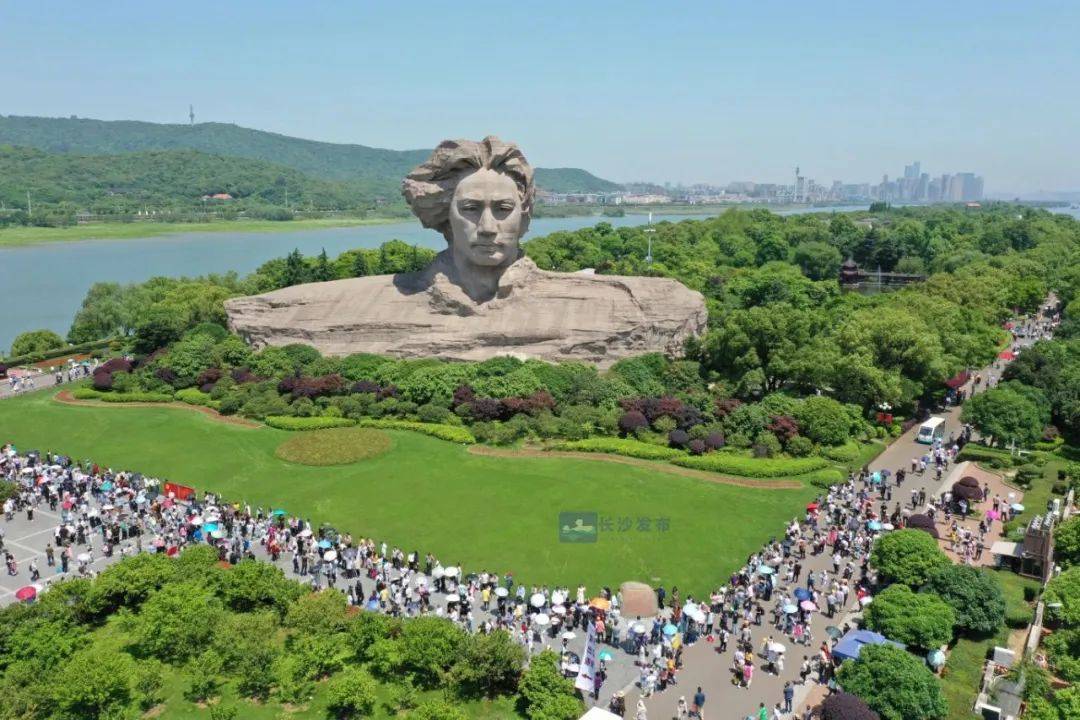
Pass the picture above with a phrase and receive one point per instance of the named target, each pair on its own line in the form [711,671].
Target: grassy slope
[963,672]
[486,512]
[19,236]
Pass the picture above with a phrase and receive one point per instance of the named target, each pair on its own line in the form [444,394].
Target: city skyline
[708,92]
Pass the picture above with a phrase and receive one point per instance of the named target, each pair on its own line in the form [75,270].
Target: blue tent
[803,594]
[849,646]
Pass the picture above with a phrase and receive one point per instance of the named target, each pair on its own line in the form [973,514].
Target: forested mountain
[163,180]
[379,169]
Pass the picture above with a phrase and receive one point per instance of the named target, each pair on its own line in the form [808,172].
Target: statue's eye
[469,206]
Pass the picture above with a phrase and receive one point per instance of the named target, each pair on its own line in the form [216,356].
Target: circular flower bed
[336,446]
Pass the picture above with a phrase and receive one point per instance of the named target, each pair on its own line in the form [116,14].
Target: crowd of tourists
[20,381]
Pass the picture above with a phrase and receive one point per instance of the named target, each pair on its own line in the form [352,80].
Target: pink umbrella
[25,594]
[808,605]
[993,514]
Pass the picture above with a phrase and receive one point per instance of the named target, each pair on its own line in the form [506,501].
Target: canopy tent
[958,380]
[1007,549]
[849,646]
[598,713]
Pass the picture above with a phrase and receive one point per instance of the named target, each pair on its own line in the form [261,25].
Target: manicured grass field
[18,236]
[335,446]
[498,514]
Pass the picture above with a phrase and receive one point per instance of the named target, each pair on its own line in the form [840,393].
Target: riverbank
[24,236]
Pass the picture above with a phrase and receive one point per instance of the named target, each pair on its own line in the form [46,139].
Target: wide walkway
[704,666]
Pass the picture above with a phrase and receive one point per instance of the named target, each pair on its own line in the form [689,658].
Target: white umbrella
[775,647]
[106,507]
[558,597]
[538,600]
[83,557]
[451,571]
[695,614]
[305,533]
[452,599]
[569,635]
[559,610]
[196,520]
[330,556]
[638,628]
[864,601]
[438,572]
[501,592]
[541,619]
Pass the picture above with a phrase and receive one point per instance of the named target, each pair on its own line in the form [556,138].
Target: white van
[931,430]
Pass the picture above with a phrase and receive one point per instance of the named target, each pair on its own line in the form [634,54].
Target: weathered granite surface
[535,314]
[481,297]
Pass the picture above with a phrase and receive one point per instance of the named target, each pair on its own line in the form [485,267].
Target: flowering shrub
[631,421]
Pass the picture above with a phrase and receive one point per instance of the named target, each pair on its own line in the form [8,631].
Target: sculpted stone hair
[429,188]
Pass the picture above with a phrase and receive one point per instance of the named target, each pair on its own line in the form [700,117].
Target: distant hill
[379,170]
[572,180]
[162,179]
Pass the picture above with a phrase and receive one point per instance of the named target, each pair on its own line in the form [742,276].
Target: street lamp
[649,230]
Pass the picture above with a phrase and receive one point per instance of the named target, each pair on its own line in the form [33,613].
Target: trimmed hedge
[287,422]
[753,467]
[195,396]
[450,433]
[824,479]
[841,453]
[89,393]
[31,358]
[990,456]
[620,446]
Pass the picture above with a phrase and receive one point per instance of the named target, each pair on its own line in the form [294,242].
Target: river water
[44,284]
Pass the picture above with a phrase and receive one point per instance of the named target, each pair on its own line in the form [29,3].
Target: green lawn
[490,513]
[18,236]
[963,672]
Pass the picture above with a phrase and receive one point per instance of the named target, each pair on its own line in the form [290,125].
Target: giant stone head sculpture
[479,195]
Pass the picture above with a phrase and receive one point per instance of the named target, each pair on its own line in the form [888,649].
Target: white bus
[931,430]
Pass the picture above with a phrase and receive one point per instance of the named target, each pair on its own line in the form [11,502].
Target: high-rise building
[912,171]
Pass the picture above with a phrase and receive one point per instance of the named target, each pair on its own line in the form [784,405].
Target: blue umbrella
[373,605]
[876,477]
[874,525]
[106,485]
[765,570]
[210,527]
[803,594]
[324,544]
[605,655]
[279,513]
[790,609]
[670,630]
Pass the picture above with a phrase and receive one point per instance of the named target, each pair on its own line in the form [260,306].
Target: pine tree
[361,267]
[296,271]
[322,271]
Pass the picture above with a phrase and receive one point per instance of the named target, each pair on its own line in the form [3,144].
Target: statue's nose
[488,226]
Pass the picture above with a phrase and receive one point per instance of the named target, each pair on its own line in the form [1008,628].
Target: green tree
[295,271]
[490,665]
[1065,705]
[1067,542]
[547,694]
[894,683]
[974,595]
[907,556]
[175,622]
[95,683]
[351,693]
[818,260]
[1006,414]
[361,267]
[923,619]
[823,420]
[159,328]
[319,613]
[322,270]
[429,647]
[1062,597]
[35,341]
[252,585]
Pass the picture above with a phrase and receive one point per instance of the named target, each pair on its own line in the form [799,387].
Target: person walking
[789,696]
[699,703]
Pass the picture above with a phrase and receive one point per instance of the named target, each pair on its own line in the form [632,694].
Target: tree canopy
[894,683]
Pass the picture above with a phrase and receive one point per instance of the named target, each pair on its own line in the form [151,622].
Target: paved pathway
[704,666]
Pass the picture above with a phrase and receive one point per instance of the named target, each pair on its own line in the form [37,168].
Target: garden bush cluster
[249,627]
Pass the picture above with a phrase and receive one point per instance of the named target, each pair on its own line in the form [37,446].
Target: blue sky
[709,91]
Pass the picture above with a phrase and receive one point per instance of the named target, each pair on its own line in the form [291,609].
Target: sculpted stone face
[485,220]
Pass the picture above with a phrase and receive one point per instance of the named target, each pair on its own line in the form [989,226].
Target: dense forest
[373,172]
[779,323]
[164,181]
